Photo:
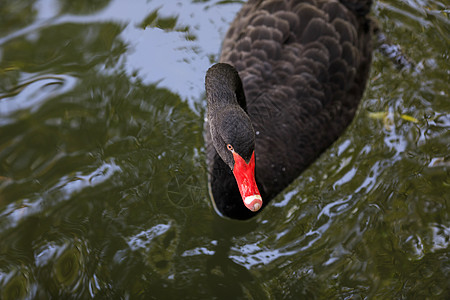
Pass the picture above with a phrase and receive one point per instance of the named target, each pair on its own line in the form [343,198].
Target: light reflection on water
[34,90]
[64,190]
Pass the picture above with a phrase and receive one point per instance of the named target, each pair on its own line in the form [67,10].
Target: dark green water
[103,190]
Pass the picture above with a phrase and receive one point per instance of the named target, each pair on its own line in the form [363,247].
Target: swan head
[231,130]
[234,139]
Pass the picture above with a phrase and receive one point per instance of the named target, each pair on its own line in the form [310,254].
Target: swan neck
[224,87]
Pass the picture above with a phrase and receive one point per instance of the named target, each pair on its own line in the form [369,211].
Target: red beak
[245,178]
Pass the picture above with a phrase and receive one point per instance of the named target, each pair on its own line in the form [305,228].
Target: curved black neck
[224,87]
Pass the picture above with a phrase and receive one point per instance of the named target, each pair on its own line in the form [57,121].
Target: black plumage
[304,67]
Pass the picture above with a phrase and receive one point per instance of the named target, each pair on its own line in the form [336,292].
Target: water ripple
[33,91]
[67,186]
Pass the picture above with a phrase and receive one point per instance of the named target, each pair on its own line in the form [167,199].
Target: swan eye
[229,147]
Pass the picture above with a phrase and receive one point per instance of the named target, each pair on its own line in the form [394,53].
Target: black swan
[289,81]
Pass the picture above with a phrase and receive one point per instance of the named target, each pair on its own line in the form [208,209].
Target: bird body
[289,81]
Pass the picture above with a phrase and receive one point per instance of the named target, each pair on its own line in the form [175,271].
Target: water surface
[103,190]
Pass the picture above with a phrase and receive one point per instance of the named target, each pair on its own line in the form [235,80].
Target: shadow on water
[103,180]
[228,279]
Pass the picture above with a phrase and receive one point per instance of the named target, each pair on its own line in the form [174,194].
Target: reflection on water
[102,174]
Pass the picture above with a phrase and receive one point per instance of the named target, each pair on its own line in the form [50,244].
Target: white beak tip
[256,207]
[253,203]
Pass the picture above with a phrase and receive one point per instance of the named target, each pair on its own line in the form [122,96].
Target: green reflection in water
[16,288]
[67,267]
